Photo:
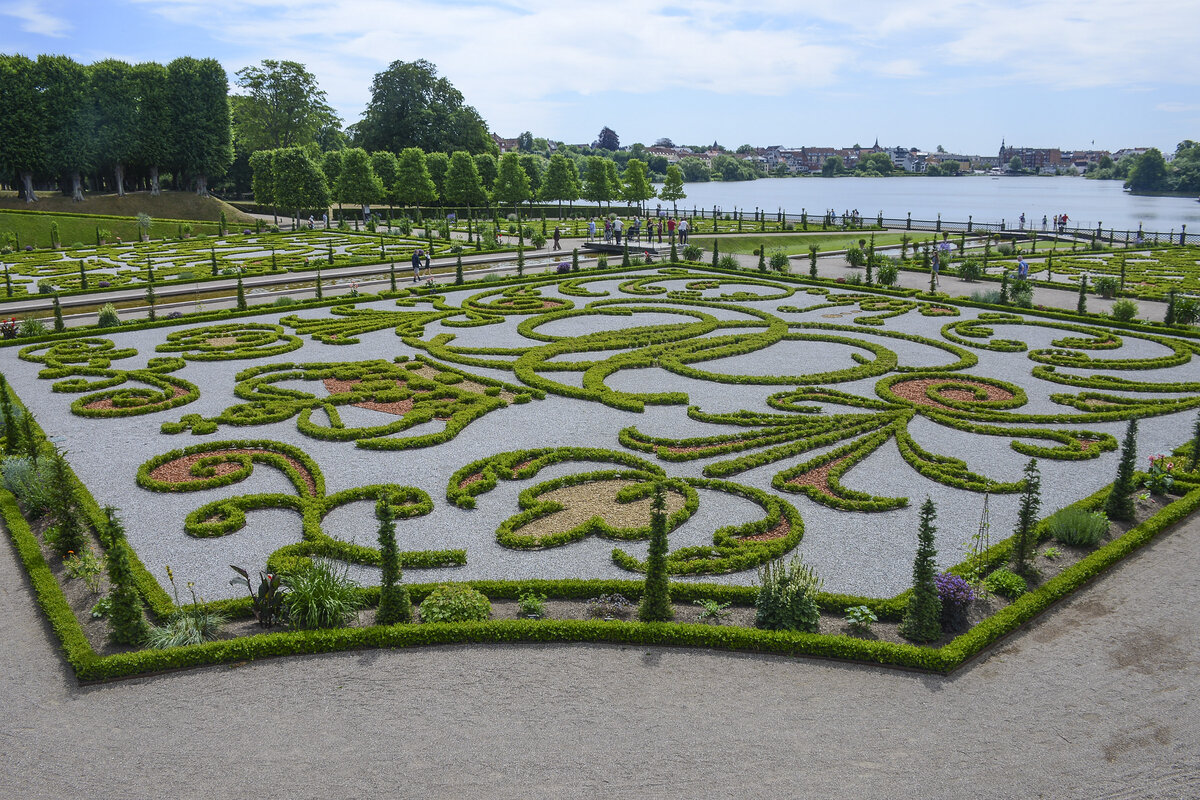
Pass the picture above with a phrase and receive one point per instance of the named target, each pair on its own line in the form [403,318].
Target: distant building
[1042,159]
[505,145]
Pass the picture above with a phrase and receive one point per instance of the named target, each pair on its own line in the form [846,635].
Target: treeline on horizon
[110,126]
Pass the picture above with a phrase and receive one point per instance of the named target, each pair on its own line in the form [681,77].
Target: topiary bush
[1124,310]
[108,317]
[1077,527]
[455,602]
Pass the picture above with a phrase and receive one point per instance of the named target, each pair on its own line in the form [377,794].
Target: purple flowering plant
[954,590]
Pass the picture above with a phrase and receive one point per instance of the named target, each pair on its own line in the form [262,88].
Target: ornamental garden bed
[516,430]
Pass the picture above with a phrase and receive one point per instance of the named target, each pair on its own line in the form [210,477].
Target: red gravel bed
[818,478]
[108,403]
[778,532]
[180,469]
[914,391]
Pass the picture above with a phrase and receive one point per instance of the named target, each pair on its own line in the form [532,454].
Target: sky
[963,74]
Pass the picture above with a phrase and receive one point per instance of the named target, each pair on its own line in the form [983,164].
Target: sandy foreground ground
[1096,699]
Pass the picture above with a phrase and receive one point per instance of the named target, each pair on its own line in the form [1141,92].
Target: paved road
[1097,699]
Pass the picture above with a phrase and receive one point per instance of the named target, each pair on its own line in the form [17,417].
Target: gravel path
[1091,701]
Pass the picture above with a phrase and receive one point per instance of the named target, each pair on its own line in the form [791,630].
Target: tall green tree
[656,599]
[561,181]
[672,188]
[198,96]
[71,125]
[415,186]
[126,618]
[1024,538]
[299,182]
[485,164]
[1119,505]
[637,188]
[155,126]
[1149,174]
[512,184]
[463,187]
[923,617]
[387,167]
[412,107]
[535,167]
[357,182]
[280,105]
[608,139]
[395,604]
[22,124]
[614,180]
[437,164]
[596,188]
[832,166]
[262,167]
[115,95]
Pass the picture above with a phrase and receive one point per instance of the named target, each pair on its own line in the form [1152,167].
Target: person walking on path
[557,238]
[683,231]
[617,230]
[416,265]
[591,229]
[427,264]
[671,229]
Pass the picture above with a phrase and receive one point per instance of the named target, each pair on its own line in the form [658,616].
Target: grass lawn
[77,222]
[798,243]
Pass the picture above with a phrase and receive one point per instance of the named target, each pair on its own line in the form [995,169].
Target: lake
[985,198]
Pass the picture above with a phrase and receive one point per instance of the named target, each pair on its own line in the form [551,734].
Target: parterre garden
[866,475]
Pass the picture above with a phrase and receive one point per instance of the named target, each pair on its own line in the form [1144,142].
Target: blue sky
[963,74]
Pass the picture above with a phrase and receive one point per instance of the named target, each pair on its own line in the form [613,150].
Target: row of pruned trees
[62,121]
[299,178]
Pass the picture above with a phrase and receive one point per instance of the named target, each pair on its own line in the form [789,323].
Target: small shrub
[609,606]
[1006,583]
[108,317]
[727,262]
[855,257]
[1078,528]
[538,241]
[191,624]
[787,597]
[711,610]
[531,604]
[970,270]
[320,596]
[84,565]
[31,326]
[860,619]
[45,287]
[1159,479]
[888,274]
[779,261]
[31,485]
[992,297]
[1005,249]
[284,301]
[692,253]
[1051,553]
[956,594]
[1106,286]
[455,602]
[1124,310]
[267,603]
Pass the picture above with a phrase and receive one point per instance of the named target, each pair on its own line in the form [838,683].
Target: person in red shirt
[671,228]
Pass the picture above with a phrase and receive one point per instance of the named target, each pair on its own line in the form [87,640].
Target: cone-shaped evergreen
[625,256]
[69,534]
[1119,504]
[392,275]
[11,437]
[212,254]
[762,258]
[1081,304]
[320,294]
[1024,539]
[29,438]
[1194,461]
[923,618]
[812,261]
[674,252]
[520,259]
[458,276]
[656,599]
[716,247]
[241,295]
[1169,317]
[1004,297]
[126,620]
[151,298]
[575,259]
[395,605]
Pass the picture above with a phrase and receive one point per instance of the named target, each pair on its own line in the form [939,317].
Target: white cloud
[1175,108]
[34,19]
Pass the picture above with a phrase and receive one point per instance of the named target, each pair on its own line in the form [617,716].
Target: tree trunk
[155,191]
[119,175]
[202,185]
[76,187]
[27,182]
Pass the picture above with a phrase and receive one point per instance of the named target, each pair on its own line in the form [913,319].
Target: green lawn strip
[794,244]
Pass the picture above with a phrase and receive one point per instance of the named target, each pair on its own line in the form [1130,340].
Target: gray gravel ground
[1095,700]
[855,553]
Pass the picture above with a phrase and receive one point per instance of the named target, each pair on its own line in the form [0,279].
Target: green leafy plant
[84,565]
[320,596]
[1052,553]
[531,604]
[1159,479]
[1006,583]
[102,608]
[1124,310]
[860,619]
[787,596]
[1078,527]
[455,602]
[711,610]
[193,623]
[267,601]
[108,317]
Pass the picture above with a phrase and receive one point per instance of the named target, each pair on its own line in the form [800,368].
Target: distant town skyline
[964,75]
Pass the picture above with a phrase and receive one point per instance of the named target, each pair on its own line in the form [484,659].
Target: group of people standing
[614,230]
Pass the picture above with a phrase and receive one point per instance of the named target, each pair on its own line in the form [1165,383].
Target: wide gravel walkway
[1097,699]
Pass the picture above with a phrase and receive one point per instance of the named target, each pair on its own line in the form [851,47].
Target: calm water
[986,199]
